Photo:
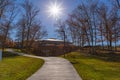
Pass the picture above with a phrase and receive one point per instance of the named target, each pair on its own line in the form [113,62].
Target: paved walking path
[54,68]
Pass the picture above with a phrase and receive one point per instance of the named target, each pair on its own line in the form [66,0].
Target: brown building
[52,47]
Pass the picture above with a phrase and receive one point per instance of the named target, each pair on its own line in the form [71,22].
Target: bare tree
[30,28]
[61,26]
[37,32]
[21,34]
[109,20]
[3,6]
[30,13]
[118,3]
[84,21]
[92,22]
[7,16]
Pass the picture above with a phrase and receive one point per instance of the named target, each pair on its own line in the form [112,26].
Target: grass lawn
[14,67]
[94,68]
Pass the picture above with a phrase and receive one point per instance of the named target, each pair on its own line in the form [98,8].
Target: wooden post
[0,55]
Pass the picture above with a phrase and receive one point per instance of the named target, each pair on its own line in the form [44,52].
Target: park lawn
[94,68]
[14,67]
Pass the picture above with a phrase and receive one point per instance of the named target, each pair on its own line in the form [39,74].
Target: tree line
[93,23]
[21,17]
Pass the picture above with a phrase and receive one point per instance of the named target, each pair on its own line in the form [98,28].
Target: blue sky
[67,5]
[49,22]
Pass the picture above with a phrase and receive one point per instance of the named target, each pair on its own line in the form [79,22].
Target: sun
[55,10]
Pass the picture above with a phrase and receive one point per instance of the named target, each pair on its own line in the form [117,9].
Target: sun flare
[55,10]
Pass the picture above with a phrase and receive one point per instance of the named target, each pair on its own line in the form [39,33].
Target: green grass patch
[17,50]
[94,68]
[14,67]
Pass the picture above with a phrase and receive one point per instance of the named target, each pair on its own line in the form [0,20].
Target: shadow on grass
[74,62]
[109,57]
[9,54]
[106,55]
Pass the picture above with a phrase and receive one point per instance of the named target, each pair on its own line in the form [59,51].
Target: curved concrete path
[54,68]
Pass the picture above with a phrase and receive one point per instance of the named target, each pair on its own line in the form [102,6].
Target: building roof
[53,39]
